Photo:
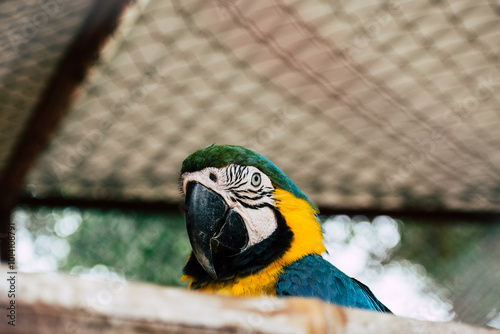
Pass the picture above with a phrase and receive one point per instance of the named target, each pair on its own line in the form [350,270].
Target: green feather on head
[224,155]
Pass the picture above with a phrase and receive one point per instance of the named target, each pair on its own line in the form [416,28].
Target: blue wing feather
[313,276]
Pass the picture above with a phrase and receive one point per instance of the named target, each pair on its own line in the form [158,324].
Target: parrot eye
[213,177]
[256,179]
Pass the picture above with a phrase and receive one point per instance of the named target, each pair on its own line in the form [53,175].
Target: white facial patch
[247,191]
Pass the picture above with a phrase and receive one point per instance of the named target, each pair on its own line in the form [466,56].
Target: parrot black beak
[214,230]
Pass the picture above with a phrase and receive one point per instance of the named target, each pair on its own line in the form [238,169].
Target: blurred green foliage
[145,247]
[464,257]
[440,247]
[138,246]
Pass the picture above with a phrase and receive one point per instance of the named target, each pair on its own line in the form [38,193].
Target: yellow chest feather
[259,284]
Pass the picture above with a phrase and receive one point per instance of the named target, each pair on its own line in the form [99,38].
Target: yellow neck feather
[307,239]
[301,218]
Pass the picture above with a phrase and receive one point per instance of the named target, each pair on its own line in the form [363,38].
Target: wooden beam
[483,217]
[57,303]
[54,104]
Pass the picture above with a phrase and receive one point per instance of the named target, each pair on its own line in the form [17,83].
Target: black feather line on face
[251,261]
[257,194]
[251,206]
[236,176]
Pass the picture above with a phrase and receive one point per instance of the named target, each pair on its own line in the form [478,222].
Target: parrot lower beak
[214,230]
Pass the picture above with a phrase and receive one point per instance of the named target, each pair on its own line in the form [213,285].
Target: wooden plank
[58,303]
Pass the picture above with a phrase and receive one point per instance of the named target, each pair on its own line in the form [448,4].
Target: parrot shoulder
[313,276]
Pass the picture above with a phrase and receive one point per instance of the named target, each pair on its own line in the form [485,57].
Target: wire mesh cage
[390,105]
[387,106]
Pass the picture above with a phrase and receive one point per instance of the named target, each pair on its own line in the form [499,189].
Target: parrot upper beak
[214,230]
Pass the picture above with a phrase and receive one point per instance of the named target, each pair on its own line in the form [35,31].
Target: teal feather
[313,276]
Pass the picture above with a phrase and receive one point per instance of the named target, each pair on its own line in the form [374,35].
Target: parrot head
[242,214]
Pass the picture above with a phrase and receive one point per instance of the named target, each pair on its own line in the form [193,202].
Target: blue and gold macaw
[253,232]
